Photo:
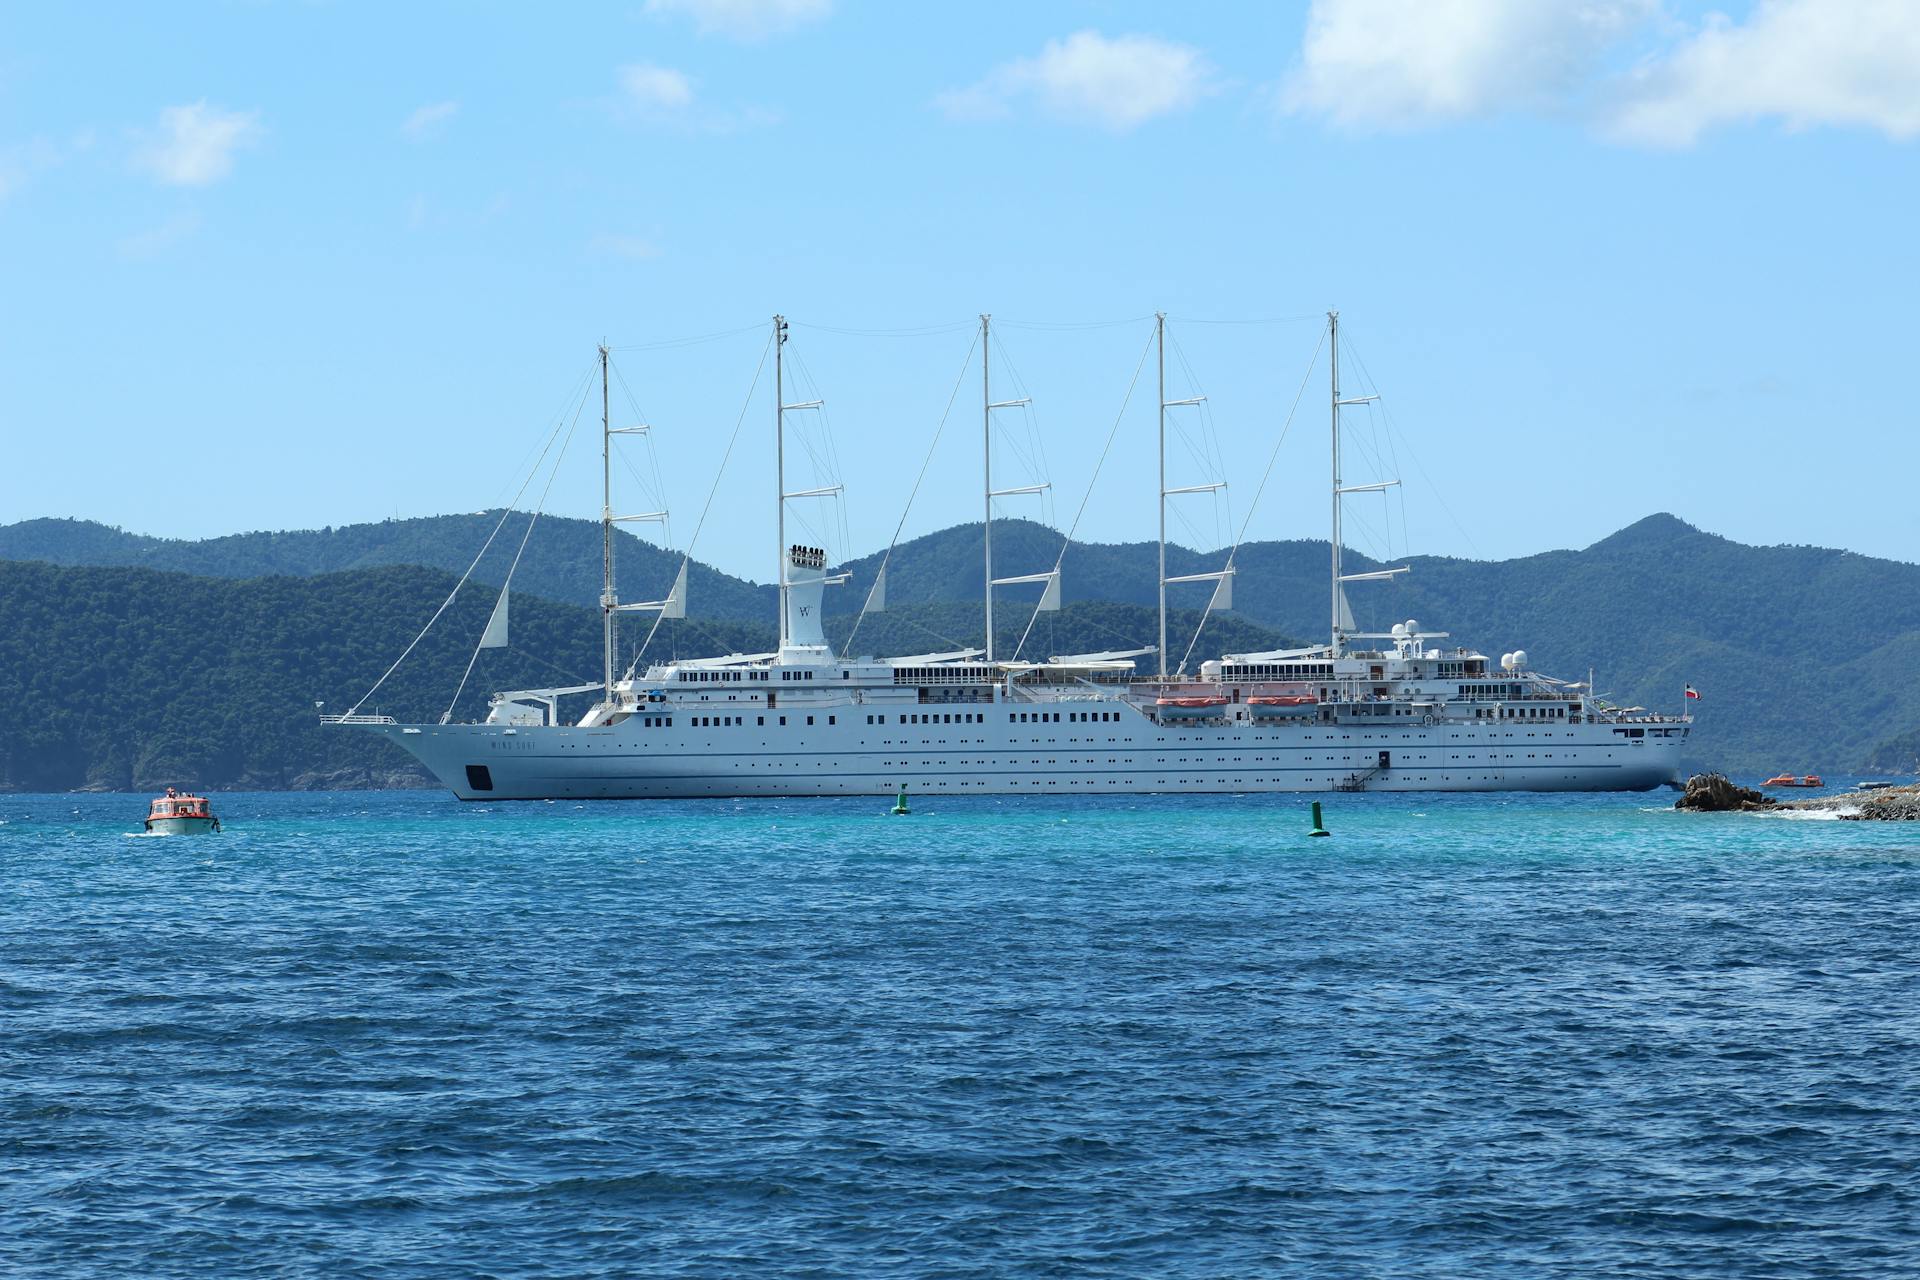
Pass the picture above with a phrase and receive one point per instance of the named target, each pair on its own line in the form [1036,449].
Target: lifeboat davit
[1284,706]
[1193,708]
[181,815]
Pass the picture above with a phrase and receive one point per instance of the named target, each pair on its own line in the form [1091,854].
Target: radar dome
[1399,631]
[1412,626]
[1519,659]
[1506,662]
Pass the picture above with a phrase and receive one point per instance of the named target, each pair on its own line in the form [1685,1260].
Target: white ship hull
[537,762]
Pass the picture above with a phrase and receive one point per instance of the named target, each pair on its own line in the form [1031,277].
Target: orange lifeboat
[1282,706]
[1792,780]
[1191,708]
[175,814]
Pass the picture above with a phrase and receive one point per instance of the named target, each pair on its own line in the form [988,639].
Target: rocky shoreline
[1713,793]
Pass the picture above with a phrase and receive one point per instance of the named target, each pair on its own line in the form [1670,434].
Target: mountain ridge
[1797,650]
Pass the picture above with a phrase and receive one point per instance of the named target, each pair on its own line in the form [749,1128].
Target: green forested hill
[562,560]
[134,678]
[1804,655]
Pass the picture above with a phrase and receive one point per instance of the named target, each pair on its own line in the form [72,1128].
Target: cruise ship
[1395,710]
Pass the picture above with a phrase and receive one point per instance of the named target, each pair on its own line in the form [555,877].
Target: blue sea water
[393,1035]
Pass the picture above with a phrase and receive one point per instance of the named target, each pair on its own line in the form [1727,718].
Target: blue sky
[286,265]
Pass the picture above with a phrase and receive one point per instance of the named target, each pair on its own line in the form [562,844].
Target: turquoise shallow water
[392,1035]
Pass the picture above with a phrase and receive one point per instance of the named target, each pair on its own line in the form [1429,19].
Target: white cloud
[1387,63]
[655,90]
[156,240]
[665,97]
[1119,83]
[428,121]
[744,19]
[1806,63]
[195,144]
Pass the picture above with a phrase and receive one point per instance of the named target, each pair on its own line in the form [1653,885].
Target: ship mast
[1160,342]
[780,465]
[987,405]
[1333,354]
[986,470]
[609,602]
[1342,616]
[1221,579]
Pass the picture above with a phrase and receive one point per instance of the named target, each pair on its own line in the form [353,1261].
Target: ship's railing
[358,720]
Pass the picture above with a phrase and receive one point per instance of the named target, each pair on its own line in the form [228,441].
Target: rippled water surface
[394,1035]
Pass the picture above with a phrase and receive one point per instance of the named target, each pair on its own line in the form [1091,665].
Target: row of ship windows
[719,722]
[734,677]
[977,717]
[1359,762]
[971,717]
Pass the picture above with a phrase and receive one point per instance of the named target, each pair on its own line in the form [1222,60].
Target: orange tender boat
[1789,780]
[181,815]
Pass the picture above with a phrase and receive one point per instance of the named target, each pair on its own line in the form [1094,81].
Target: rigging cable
[1259,489]
[507,584]
[686,557]
[880,573]
[1414,454]
[1088,495]
[694,341]
[916,331]
[498,525]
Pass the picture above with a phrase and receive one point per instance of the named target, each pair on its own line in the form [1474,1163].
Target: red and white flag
[1693,694]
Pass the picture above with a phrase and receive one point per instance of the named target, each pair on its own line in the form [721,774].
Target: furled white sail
[877,598]
[1222,592]
[1050,598]
[495,636]
[1346,611]
[676,604]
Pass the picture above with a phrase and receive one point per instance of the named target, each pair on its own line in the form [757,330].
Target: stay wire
[444,604]
[1418,465]
[916,331]
[925,464]
[692,341]
[656,490]
[507,584]
[1086,497]
[1259,489]
[686,557]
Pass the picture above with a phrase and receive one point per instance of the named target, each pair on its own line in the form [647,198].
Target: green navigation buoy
[900,806]
[1318,829]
